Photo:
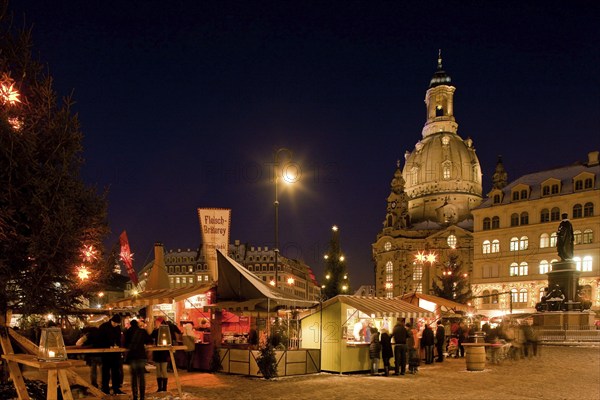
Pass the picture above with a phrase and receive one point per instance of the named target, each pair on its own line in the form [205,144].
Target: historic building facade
[187,267]
[428,214]
[514,235]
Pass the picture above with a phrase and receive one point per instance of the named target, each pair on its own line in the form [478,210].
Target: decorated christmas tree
[452,283]
[336,275]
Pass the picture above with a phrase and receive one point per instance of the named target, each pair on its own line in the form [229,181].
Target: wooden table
[56,370]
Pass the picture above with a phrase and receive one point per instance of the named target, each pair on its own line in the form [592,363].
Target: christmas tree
[51,224]
[336,276]
[452,283]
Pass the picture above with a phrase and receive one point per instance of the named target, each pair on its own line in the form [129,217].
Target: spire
[500,177]
[439,59]
[440,77]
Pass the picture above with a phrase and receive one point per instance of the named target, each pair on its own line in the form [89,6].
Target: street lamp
[277,172]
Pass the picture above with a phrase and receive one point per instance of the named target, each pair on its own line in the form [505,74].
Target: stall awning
[161,296]
[442,305]
[237,284]
[379,307]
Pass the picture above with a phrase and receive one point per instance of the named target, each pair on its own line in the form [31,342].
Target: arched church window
[439,111]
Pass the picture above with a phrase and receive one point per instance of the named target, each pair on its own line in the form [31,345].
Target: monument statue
[564,239]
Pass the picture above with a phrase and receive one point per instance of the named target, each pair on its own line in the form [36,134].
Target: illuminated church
[430,201]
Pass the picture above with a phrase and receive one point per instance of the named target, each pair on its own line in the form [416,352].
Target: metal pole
[276,206]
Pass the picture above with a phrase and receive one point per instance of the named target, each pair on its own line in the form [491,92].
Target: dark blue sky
[182,104]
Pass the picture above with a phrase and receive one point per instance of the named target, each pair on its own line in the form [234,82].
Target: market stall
[339,328]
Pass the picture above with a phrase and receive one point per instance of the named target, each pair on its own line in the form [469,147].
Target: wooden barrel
[475,358]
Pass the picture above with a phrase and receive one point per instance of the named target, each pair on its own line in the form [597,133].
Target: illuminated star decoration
[83,273]
[8,93]
[88,253]
[126,256]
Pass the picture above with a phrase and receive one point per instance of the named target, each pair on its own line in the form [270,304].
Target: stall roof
[442,303]
[238,285]
[380,307]
[162,296]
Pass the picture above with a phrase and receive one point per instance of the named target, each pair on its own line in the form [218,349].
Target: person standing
[189,341]
[374,350]
[90,340]
[412,345]
[109,335]
[427,342]
[440,340]
[160,358]
[386,350]
[135,340]
[461,334]
[399,334]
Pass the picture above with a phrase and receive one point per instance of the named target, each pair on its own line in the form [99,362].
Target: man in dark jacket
[135,340]
[110,336]
[440,340]
[399,335]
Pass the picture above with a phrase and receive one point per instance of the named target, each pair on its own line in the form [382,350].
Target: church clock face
[393,204]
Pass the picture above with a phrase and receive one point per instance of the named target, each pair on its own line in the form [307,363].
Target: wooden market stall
[435,304]
[338,328]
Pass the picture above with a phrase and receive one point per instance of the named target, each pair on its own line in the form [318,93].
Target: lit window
[544,240]
[514,295]
[451,240]
[494,296]
[514,269]
[577,261]
[587,264]
[487,247]
[389,267]
[553,239]
[387,246]
[541,294]
[523,269]
[544,267]
[524,243]
[523,296]
[514,244]
[485,297]
[577,237]
[495,246]
[446,171]
[417,272]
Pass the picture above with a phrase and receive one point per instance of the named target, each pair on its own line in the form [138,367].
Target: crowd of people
[134,336]
[410,345]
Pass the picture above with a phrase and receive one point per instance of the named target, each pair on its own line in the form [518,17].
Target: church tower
[428,216]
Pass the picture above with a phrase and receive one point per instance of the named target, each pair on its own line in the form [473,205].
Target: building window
[389,267]
[523,194]
[496,199]
[417,272]
[446,171]
[495,246]
[577,261]
[544,267]
[523,269]
[451,240]
[544,240]
[389,295]
[588,210]
[546,190]
[490,271]
[514,295]
[485,297]
[578,184]
[545,215]
[487,224]
[588,183]
[523,296]
[577,237]
[514,269]
[515,196]
[555,214]
[524,243]
[494,296]
[514,220]
[577,211]
[387,246]
[524,218]
[587,236]
[553,239]
[514,244]
[587,264]
[555,189]
[487,247]
[495,222]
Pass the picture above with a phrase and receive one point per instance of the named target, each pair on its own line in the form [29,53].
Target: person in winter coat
[386,350]
[109,335]
[440,340]
[374,350]
[160,358]
[135,340]
[427,342]
[413,354]
[399,334]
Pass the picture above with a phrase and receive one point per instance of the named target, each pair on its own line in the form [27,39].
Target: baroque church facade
[431,198]
[505,241]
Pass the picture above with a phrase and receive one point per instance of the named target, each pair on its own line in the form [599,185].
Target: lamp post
[277,173]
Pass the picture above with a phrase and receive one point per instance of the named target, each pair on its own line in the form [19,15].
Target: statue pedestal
[566,277]
[573,320]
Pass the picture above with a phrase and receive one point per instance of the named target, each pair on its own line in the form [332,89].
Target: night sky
[183,104]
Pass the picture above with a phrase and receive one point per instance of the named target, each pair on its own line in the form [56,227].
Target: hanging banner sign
[214,229]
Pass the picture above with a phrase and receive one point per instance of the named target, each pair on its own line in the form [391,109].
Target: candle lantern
[164,335]
[52,345]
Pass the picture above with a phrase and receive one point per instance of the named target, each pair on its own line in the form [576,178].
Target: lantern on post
[52,345]
[164,335]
